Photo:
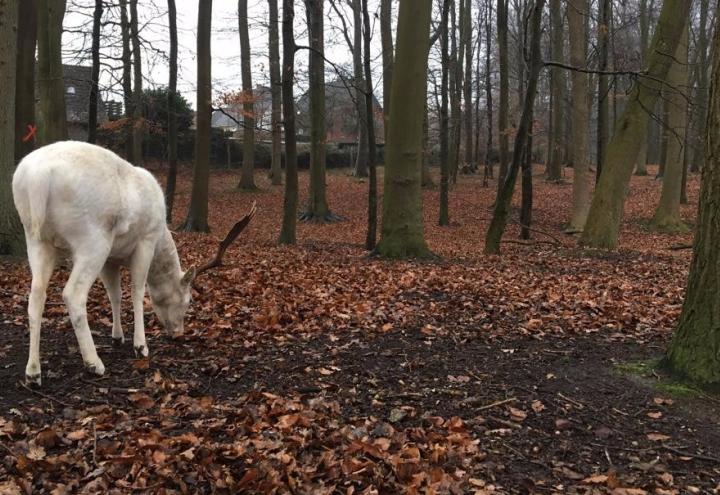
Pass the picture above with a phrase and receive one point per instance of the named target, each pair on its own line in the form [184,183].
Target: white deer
[84,201]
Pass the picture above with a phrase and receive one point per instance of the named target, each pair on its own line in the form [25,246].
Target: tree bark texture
[276,95]
[172,117]
[247,174]
[52,120]
[25,78]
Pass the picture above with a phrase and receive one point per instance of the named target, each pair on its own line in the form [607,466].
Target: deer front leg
[110,276]
[139,266]
[42,262]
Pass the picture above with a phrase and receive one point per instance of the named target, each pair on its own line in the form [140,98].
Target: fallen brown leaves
[185,422]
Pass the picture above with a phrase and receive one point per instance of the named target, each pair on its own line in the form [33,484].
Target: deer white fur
[84,201]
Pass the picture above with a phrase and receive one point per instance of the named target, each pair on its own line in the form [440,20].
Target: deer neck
[166,263]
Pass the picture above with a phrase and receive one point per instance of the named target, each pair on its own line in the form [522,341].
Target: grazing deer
[84,201]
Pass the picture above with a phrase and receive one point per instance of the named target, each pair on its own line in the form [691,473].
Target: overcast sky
[225,43]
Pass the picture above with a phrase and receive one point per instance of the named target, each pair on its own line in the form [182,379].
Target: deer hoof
[33,380]
[141,351]
[118,341]
[95,369]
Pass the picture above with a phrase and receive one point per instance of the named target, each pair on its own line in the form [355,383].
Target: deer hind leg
[139,266]
[87,264]
[110,276]
[41,256]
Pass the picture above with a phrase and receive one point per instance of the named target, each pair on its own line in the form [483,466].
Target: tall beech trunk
[95,77]
[138,123]
[606,209]
[127,78]
[388,56]
[12,240]
[51,88]
[317,205]
[172,117]
[402,218]
[644,19]
[290,203]
[553,171]
[247,173]
[667,215]
[488,94]
[603,115]
[693,351]
[25,78]
[526,198]
[371,237]
[197,217]
[444,216]
[701,98]
[276,95]
[361,161]
[467,84]
[504,103]
[455,88]
[502,203]
[576,12]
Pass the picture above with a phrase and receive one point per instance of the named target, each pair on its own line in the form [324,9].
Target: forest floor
[313,369]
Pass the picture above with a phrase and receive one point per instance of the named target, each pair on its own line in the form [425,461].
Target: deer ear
[189,276]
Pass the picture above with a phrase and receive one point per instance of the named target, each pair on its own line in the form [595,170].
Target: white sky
[225,43]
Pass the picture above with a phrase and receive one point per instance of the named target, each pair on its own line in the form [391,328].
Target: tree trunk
[603,86]
[25,78]
[247,174]
[388,56]
[371,237]
[701,99]
[644,19]
[12,241]
[488,95]
[290,204]
[95,78]
[502,203]
[667,215]
[603,223]
[197,217]
[504,103]
[127,79]
[138,121]
[693,351]
[426,175]
[526,201]
[665,134]
[456,72]
[276,95]
[402,218]
[52,121]
[576,12]
[317,205]
[467,84]
[553,171]
[361,162]
[444,217]
[172,117]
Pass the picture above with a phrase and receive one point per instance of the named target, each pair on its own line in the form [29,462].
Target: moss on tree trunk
[402,219]
[695,348]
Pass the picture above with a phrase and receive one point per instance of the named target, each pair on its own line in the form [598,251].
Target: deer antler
[229,238]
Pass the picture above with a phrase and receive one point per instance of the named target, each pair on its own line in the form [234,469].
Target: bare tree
[95,77]
[197,217]
[247,179]
[51,89]
[137,116]
[172,116]
[25,78]
[290,205]
[12,240]
[276,95]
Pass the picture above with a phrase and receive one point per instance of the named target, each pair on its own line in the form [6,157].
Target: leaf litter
[314,369]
